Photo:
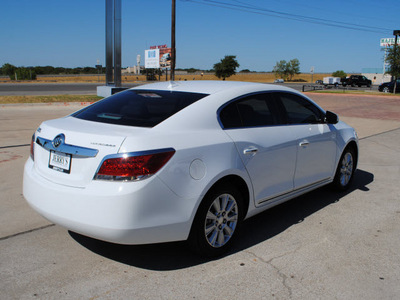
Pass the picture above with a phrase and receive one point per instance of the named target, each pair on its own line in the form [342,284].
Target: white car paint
[290,160]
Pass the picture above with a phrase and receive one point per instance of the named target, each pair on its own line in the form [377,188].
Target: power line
[283,15]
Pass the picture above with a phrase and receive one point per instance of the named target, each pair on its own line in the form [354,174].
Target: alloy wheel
[221,220]
[346,169]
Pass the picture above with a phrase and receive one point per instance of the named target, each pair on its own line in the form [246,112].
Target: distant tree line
[29,73]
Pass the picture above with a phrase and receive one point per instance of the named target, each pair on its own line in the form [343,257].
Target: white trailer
[331,81]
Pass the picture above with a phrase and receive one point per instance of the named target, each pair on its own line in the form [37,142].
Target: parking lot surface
[323,245]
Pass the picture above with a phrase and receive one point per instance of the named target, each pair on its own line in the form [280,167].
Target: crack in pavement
[15,146]
[377,134]
[25,232]
[281,274]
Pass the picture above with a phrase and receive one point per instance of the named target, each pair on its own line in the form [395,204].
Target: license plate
[60,162]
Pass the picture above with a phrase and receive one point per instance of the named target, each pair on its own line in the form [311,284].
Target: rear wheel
[217,221]
[345,170]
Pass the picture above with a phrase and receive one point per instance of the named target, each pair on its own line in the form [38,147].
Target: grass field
[48,99]
[252,77]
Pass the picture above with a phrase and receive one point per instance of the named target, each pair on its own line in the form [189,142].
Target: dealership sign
[152,59]
[387,42]
[158,57]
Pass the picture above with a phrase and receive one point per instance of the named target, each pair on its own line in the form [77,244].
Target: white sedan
[184,161]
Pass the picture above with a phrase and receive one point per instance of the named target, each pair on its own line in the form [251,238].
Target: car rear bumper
[121,212]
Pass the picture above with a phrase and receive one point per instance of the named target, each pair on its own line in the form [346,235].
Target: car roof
[208,86]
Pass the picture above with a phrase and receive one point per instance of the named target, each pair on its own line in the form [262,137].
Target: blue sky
[71,33]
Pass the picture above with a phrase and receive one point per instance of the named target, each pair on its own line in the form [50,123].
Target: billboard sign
[164,57]
[387,42]
[152,59]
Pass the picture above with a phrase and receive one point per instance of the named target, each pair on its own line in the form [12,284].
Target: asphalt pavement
[322,245]
[39,89]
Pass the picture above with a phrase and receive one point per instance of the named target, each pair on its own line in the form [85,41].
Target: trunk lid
[75,160]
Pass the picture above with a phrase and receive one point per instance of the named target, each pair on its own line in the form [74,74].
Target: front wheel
[345,170]
[217,221]
[386,89]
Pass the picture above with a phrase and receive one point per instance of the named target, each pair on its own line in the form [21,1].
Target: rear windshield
[142,108]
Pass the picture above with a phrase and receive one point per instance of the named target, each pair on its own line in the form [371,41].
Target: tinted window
[143,108]
[299,110]
[255,110]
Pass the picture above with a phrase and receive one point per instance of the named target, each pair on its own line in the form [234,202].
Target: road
[323,245]
[8,89]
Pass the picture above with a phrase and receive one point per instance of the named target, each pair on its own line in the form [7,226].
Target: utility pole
[117,43]
[109,42]
[396,33]
[113,43]
[173,50]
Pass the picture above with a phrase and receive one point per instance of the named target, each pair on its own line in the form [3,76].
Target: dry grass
[48,99]
[252,77]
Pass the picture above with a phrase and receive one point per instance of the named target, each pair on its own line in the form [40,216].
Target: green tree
[339,73]
[9,70]
[280,69]
[287,70]
[293,68]
[25,74]
[226,67]
[393,60]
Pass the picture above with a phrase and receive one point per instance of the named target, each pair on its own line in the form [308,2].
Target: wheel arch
[352,145]
[233,180]
[197,235]
[239,183]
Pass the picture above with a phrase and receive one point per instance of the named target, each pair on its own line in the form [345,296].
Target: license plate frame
[59,161]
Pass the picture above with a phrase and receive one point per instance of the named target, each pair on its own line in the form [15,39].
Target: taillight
[128,167]
[33,147]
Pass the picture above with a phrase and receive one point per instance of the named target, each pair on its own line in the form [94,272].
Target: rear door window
[141,108]
[298,110]
[251,111]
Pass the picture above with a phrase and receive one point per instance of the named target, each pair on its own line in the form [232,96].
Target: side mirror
[331,118]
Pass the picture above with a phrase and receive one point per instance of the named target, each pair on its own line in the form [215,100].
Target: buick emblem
[58,140]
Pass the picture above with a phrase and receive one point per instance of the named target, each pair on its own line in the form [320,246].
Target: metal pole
[173,50]
[396,33]
[117,43]
[109,42]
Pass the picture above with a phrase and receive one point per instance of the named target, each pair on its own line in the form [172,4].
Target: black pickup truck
[356,80]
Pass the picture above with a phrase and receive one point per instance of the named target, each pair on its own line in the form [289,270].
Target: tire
[386,90]
[217,221]
[345,170]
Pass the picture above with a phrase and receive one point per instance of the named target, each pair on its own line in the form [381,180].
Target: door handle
[304,143]
[251,150]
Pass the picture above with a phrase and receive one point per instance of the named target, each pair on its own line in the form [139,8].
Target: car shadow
[176,255]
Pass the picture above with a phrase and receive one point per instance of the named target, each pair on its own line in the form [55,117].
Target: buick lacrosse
[175,161]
